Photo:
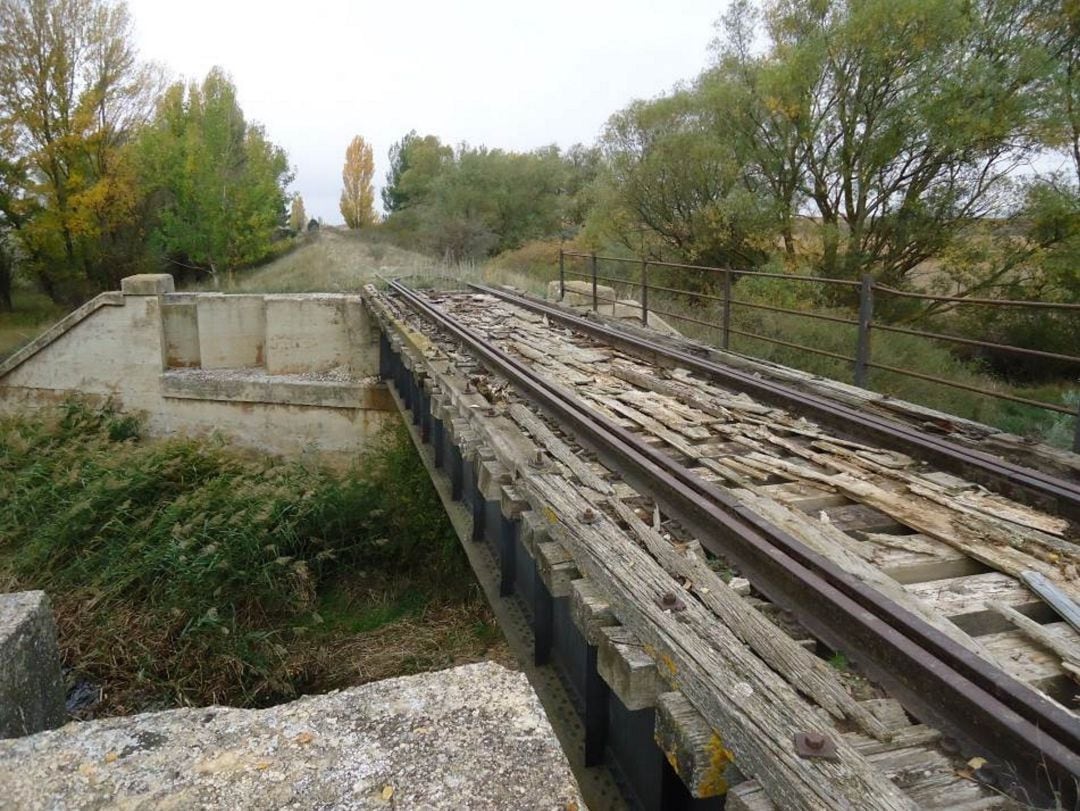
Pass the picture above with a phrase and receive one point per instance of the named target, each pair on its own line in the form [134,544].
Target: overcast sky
[494,72]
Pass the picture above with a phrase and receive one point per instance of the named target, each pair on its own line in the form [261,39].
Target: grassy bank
[31,314]
[184,572]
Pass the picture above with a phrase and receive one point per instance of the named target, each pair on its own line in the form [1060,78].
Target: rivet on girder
[588,517]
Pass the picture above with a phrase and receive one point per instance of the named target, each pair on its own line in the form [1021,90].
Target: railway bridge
[730,584]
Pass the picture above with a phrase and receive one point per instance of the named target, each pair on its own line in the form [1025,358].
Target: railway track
[873,552]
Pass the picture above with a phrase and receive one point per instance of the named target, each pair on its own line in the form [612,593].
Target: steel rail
[1023,483]
[943,682]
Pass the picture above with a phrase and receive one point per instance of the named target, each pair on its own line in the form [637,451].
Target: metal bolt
[588,517]
[669,600]
[814,740]
[492,412]
[538,459]
[468,388]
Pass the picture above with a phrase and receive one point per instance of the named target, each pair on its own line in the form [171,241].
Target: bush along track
[185,572]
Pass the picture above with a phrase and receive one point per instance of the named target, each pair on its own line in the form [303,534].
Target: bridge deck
[670,623]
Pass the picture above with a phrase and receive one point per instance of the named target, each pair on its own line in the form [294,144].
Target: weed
[184,572]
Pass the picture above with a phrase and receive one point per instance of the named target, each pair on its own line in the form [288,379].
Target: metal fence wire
[865,324]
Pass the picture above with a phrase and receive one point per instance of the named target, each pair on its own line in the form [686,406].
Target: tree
[669,173]
[73,92]
[216,181]
[918,113]
[297,215]
[415,162]
[357,195]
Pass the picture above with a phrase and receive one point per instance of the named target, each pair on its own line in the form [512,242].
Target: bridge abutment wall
[290,374]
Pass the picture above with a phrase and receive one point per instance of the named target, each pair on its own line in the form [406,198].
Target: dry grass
[335,260]
[184,573]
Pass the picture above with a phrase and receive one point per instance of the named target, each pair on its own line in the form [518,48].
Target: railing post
[1076,431]
[644,293]
[594,299]
[562,274]
[725,340]
[866,316]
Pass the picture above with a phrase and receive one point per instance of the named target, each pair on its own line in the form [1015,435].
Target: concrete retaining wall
[283,373]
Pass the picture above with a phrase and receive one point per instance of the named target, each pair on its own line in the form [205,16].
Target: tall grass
[185,572]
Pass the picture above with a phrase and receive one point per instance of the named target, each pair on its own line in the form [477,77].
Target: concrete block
[474,736]
[147,284]
[180,323]
[305,334]
[232,331]
[31,687]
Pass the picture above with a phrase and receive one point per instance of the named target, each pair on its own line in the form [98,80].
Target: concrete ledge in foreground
[470,737]
[31,689]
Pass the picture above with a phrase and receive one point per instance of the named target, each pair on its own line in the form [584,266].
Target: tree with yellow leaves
[358,195]
[297,215]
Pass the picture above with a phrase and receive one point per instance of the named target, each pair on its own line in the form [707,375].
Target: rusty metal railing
[865,324]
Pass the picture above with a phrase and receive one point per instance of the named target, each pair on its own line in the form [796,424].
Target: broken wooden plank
[805,672]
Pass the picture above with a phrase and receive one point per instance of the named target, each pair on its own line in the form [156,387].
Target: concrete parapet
[469,737]
[232,331]
[147,284]
[31,687]
[305,333]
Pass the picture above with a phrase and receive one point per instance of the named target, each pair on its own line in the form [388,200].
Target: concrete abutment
[283,373]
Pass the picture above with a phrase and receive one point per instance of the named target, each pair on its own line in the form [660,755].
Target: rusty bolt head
[669,600]
[815,745]
[588,517]
[492,412]
[538,459]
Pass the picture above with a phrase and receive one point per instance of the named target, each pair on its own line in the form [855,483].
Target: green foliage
[476,202]
[71,95]
[184,557]
[415,162]
[217,182]
[671,178]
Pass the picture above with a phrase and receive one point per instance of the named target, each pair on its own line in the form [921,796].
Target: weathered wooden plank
[557,568]
[1025,661]
[1009,550]
[557,448]
[729,686]
[963,600]
[628,670]
[805,672]
[694,750]
[836,546]
[589,610]
[1063,645]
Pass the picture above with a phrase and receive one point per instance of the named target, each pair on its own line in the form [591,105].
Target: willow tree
[357,194]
